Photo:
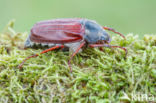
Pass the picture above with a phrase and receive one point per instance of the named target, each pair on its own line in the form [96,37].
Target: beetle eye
[105,36]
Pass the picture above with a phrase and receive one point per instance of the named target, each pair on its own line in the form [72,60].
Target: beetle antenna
[113,30]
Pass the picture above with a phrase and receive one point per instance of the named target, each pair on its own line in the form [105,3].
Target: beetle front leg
[113,30]
[35,55]
[109,46]
[77,50]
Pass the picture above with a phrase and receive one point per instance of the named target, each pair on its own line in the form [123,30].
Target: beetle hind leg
[35,55]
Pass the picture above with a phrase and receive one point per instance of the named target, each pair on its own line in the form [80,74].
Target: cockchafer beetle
[71,33]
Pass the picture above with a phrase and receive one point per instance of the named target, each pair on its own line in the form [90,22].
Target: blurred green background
[127,16]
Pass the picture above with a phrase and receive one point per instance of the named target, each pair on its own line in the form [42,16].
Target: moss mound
[97,76]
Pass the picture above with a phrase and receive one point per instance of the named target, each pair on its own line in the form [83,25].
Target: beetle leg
[101,49]
[35,55]
[109,46]
[113,30]
[77,50]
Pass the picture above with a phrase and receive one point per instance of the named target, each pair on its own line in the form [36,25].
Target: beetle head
[94,33]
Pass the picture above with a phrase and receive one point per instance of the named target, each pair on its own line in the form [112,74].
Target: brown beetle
[71,33]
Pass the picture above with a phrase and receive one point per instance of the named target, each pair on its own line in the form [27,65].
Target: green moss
[97,76]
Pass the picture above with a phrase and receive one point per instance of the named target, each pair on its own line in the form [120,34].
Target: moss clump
[97,76]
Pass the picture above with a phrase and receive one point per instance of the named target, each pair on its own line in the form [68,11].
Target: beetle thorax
[94,32]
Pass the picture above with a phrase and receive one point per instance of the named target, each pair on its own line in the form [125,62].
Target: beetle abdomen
[30,44]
